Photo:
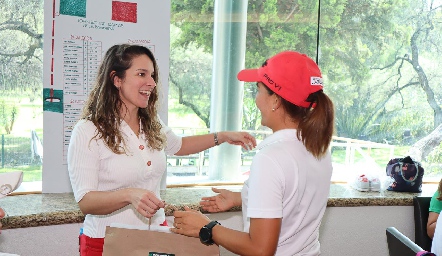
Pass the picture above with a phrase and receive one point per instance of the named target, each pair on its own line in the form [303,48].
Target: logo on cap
[270,81]
[316,80]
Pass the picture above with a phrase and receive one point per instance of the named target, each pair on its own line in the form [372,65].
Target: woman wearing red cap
[285,197]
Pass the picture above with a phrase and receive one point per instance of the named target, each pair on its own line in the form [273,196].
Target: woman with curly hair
[117,152]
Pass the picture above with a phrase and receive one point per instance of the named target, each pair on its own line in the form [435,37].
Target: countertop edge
[56,209]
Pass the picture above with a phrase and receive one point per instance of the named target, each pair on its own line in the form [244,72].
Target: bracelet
[215,138]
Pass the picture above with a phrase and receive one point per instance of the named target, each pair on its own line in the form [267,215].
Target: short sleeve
[266,188]
[435,205]
[83,159]
[174,141]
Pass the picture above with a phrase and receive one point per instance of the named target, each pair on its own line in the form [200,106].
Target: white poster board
[77,33]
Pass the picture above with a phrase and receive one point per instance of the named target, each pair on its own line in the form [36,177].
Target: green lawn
[30,173]
[30,116]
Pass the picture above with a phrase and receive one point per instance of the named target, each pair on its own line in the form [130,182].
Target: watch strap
[212,224]
[207,231]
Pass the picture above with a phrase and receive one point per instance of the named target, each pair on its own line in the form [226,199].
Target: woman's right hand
[145,201]
[225,200]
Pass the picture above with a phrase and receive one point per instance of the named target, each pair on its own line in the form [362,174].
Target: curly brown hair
[104,104]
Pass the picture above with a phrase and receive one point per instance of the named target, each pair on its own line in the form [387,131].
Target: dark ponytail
[316,126]
[315,123]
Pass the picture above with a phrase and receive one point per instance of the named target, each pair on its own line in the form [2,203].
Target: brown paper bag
[133,242]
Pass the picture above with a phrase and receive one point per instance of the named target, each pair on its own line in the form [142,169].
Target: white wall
[361,230]
[60,240]
[344,231]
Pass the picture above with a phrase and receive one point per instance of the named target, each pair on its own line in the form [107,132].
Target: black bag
[407,175]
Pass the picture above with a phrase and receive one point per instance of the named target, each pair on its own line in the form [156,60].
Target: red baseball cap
[291,75]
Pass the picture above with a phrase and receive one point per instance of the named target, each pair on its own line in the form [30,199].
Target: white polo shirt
[94,167]
[286,181]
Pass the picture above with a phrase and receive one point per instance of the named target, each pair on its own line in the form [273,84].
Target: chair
[421,205]
[400,245]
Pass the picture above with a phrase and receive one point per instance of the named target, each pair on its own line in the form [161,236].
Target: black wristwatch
[206,232]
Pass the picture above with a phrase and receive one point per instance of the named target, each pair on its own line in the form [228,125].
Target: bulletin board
[77,34]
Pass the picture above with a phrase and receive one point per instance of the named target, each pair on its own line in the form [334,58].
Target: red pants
[91,246]
[94,246]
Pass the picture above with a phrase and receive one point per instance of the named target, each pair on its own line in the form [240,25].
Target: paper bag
[10,181]
[122,241]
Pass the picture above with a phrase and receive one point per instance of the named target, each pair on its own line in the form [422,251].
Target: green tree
[8,115]
[21,47]
[402,88]
[363,51]
[190,77]
[273,25]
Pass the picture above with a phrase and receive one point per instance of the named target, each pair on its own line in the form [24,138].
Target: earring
[273,109]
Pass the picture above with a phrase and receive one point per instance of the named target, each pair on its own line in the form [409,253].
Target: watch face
[205,235]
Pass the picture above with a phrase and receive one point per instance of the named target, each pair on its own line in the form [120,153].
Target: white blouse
[93,166]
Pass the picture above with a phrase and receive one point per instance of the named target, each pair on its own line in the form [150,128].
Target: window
[21,71]
[379,60]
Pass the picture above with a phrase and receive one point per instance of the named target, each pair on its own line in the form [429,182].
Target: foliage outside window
[380,60]
[21,67]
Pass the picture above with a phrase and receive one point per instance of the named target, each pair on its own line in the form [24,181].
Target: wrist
[237,199]
[216,139]
[127,195]
[205,233]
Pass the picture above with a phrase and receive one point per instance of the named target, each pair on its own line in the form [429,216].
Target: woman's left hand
[189,222]
[244,139]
